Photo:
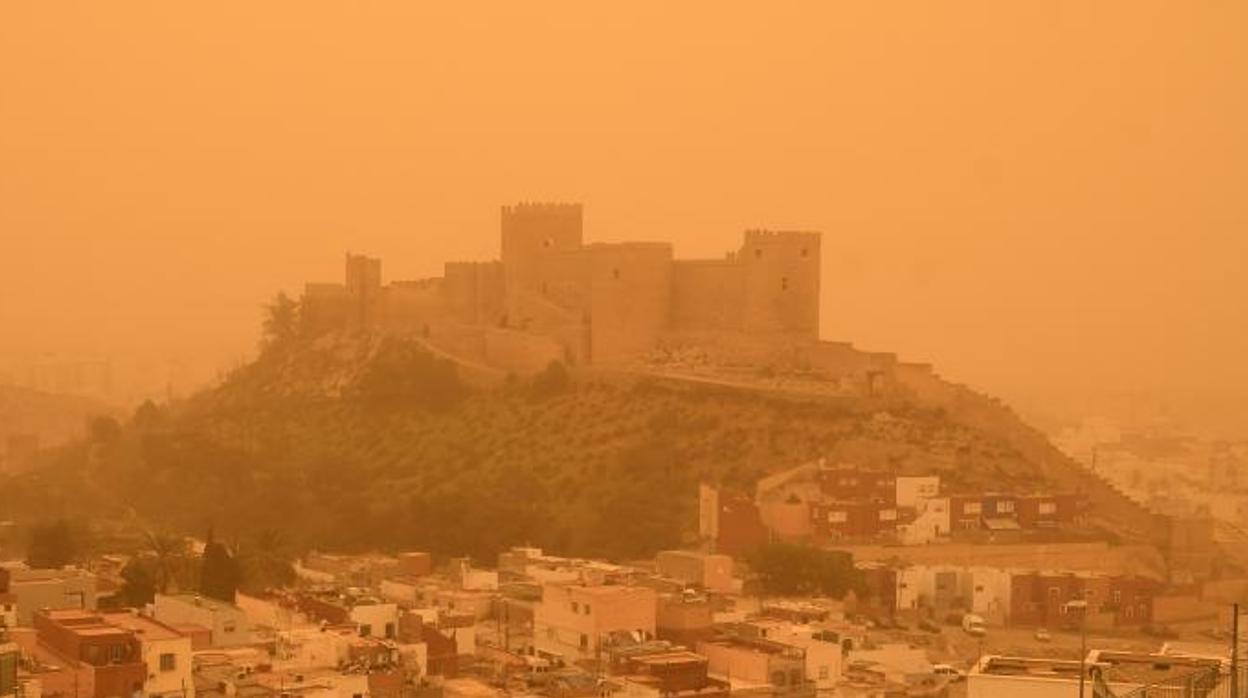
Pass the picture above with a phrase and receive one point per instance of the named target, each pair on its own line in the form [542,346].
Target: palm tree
[170,554]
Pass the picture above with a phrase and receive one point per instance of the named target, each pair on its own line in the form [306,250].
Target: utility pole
[1235,650]
[1082,605]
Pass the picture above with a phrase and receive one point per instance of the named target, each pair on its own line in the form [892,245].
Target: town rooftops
[1028,666]
[204,602]
[83,623]
[146,628]
[674,657]
[1116,667]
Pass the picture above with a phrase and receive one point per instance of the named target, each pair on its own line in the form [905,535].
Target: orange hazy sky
[1026,194]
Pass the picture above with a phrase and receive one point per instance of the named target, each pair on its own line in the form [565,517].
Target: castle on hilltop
[552,296]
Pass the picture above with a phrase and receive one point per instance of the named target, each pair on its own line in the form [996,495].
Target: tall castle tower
[780,279]
[363,282]
[536,242]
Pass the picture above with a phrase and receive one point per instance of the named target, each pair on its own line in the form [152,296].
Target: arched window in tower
[615,273]
[784,283]
[805,252]
[758,253]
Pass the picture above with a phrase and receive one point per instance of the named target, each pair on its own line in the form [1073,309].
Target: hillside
[54,419]
[368,442]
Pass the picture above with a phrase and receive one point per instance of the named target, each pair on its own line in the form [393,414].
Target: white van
[973,625]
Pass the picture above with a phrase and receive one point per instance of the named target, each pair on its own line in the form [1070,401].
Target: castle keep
[553,296]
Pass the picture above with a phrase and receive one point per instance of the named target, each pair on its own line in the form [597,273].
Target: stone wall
[630,298]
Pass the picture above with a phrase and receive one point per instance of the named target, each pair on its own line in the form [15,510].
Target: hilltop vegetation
[368,443]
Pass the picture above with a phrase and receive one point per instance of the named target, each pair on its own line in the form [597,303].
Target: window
[1117,595]
[1005,507]
[116,653]
[228,626]
[389,631]
[806,253]
[888,515]
[1048,507]
[979,587]
[837,517]
[584,641]
[168,662]
[586,609]
[972,508]
[576,607]
[758,253]
[784,283]
[823,668]
[615,273]
[365,630]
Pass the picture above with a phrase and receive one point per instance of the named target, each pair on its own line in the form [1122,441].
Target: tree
[266,561]
[404,374]
[281,322]
[104,430]
[139,586]
[148,417]
[51,545]
[169,559]
[551,381]
[219,575]
[788,569]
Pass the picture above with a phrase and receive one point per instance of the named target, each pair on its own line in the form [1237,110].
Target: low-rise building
[227,624]
[756,663]
[711,571]
[27,590]
[1105,673]
[574,620]
[165,651]
[669,674]
[98,659]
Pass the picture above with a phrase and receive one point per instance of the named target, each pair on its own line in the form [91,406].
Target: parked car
[949,671]
[1043,635]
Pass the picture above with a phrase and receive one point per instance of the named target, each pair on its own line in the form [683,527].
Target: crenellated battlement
[599,301]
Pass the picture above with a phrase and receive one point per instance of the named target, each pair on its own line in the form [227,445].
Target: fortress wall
[518,351]
[324,308]
[706,294]
[564,279]
[464,341]
[472,292]
[780,273]
[630,298]
[413,305]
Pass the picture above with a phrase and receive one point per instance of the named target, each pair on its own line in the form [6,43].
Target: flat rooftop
[146,628]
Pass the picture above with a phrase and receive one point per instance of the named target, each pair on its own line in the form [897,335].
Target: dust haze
[1032,199]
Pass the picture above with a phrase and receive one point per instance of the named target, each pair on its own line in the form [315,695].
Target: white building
[166,652]
[376,619]
[912,489]
[931,522]
[30,590]
[226,623]
[573,620]
[1121,672]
